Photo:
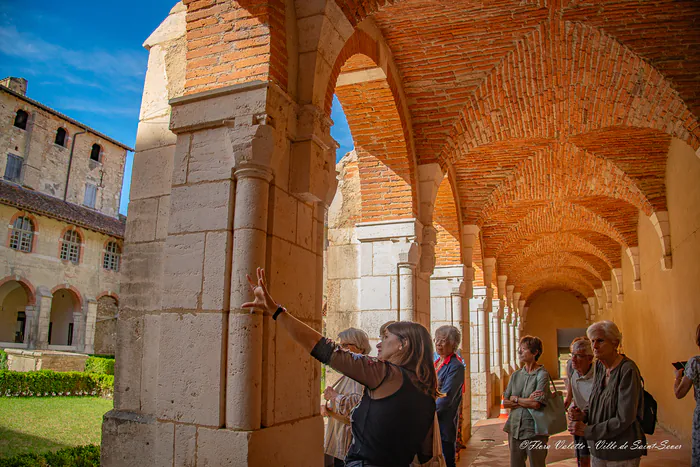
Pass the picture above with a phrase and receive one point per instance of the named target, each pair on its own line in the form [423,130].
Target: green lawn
[39,424]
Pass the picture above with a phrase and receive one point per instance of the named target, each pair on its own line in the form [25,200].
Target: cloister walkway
[488,447]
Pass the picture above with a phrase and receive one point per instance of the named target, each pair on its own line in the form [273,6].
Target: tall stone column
[515,340]
[506,351]
[90,321]
[30,313]
[389,258]
[78,330]
[480,364]
[44,299]
[245,327]
[497,344]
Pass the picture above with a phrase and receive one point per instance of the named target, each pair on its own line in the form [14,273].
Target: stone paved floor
[488,447]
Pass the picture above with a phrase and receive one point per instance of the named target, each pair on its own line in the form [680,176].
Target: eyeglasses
[440,341]
[578,355]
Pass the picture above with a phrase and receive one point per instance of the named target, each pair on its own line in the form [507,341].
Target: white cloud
[95,107]
[58,61]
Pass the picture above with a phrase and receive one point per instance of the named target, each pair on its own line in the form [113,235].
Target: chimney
[18,85]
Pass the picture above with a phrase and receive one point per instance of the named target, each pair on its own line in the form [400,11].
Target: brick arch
[357,11]
[549,288]
[446,222]
[235,42]
[563,171]
[381,133]
[520,100]
[554,261]
[556,282]
[552,266]
[108,293]
[567,242]
[76,293]
[26,285]
[554,217]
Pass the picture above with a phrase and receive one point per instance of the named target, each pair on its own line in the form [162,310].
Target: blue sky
[85,59]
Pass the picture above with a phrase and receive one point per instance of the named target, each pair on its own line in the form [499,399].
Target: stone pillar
[479,345]
[245,328]
[592,309]
[448,306]
[30,313]
[407,290]
[78,330]
[444,301]
[43,318]
[90,320]
[389,256]
[497,357]
[518,329]
[514,362]
[506,353]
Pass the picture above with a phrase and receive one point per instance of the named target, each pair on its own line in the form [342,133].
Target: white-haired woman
[450,372]
[341,398]
[611,423]
[579,384]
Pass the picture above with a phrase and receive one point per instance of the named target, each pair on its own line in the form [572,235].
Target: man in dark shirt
[450,372]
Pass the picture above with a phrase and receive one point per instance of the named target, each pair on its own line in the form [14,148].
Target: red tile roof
[45,205]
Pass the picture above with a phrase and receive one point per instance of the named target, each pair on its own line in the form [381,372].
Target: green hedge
[101,366]
[3,360]
[54,383]
[81,456]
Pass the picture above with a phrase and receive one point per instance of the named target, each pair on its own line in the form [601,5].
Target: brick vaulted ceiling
[555,117]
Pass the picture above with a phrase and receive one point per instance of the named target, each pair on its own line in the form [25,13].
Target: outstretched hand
[263,301]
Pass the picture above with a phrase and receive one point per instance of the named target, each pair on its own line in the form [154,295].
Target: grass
[35,425]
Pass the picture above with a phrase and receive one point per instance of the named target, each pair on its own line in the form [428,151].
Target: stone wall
[658,322]
[32,360]
[45,164]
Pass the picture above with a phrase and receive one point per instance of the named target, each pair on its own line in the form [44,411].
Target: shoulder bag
[550,418]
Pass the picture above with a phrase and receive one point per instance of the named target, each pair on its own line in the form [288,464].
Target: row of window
[22,238]
[13,173]
[22,117]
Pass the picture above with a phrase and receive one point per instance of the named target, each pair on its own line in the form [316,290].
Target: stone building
[60,262]
[519,167]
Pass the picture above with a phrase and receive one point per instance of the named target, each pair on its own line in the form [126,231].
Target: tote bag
[551,418]
[437,460]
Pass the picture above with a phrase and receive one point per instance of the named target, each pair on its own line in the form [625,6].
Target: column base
[132,439]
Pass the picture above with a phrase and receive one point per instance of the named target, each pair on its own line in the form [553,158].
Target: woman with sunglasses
[393,422]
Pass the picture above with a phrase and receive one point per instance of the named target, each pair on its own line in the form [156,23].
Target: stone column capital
[253,171]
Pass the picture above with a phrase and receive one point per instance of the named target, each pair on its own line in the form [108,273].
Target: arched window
[96,153]
[61,135]
[21,119]
[112,257]
[70,249]
[22,235]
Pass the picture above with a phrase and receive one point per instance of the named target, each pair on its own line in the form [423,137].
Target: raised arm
[363,369]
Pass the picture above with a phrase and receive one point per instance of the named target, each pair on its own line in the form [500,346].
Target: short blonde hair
[610,330]
[357,337]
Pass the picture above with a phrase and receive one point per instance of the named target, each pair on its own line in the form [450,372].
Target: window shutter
[90,195]
[13,169]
